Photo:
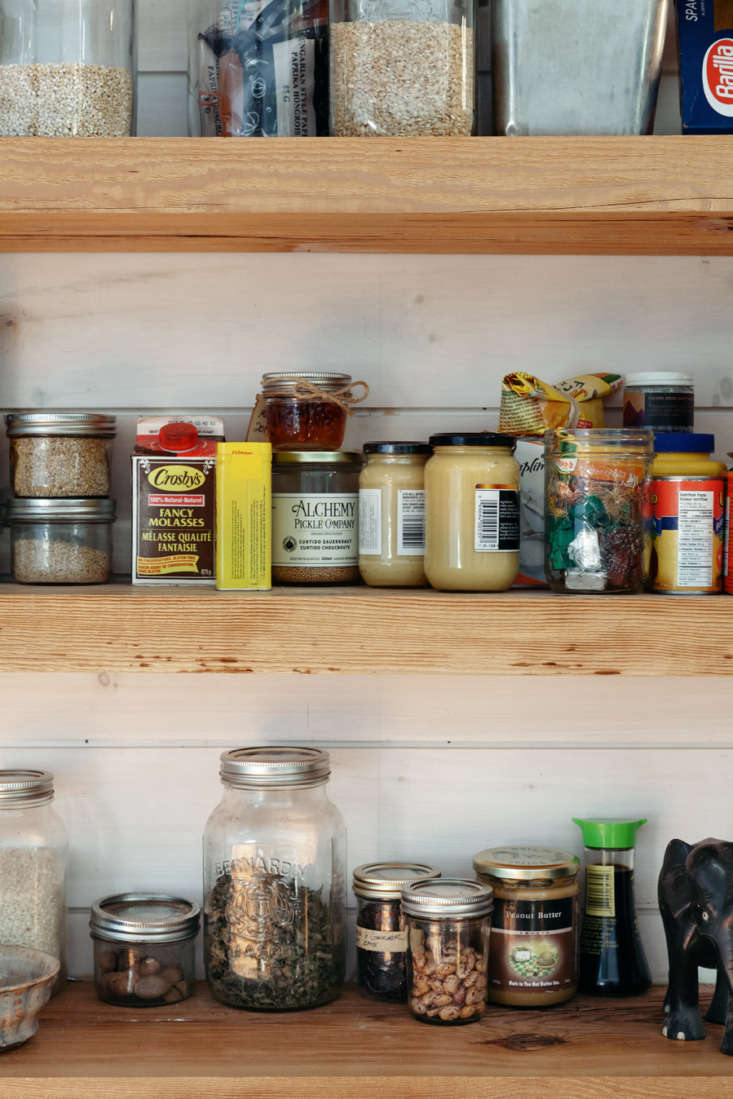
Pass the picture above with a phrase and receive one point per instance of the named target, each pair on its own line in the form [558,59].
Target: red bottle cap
[178,437]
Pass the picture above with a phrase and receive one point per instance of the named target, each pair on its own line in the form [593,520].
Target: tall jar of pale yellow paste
[392,515]
[472,512]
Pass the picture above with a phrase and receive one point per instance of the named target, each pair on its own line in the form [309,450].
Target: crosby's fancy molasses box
[706,65]
[174,500]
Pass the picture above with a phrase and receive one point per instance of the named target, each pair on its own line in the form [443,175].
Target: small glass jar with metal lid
[61,541]
[315,517]
[533,960]
[662,400]
[392,515]
[274,882]
[33,863]
[144,948]
[381,936]
[63,454]
[448,924]
[307,410]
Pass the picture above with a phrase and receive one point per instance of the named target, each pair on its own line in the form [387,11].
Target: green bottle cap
[618,835]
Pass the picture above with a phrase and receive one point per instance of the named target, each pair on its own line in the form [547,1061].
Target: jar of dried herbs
[274,882]
[60,454]
[381,937]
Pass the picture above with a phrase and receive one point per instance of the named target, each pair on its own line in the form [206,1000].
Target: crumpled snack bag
[532,407]
[529,408]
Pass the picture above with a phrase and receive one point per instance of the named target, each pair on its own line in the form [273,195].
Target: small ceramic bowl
[26,982]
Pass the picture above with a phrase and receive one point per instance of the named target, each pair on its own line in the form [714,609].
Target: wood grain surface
[121,628]
[356,1047]
[638,195]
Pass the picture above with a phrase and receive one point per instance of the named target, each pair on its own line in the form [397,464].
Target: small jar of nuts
[448,922]
[144,949]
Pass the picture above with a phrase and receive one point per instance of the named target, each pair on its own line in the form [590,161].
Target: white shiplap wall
[423,768]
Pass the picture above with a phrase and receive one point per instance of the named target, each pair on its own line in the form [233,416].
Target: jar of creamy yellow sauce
[392,515]
[687,506]
[533,955]
[472,513]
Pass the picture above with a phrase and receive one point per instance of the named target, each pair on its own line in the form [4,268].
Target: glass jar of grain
[60,453]
[66,69]
[61,541]
[402,69]
[33,859]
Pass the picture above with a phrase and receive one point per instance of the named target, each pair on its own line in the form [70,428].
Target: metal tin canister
[576,66]
[687,519]
[728,567]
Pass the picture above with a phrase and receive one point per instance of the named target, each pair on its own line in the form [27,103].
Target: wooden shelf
[122,628]
[590,1049]
[638,195]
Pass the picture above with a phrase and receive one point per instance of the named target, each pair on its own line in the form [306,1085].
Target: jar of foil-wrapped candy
[258,68]
[595,509]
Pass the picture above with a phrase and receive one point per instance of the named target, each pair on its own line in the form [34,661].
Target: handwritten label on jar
[314,529]
[496,519]
[410,523]
[383,942]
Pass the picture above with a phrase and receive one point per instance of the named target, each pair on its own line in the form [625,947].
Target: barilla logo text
[717,76]
[177,478]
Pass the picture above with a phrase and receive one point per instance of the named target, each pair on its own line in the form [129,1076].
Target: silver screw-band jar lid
[384,881]
[25,788]
[60,510]
[144,917]
[526,863]
[447,898]
[88,424]
[274,766]
[287,381]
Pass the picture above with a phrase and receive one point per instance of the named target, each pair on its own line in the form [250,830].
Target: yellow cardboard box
[244,516]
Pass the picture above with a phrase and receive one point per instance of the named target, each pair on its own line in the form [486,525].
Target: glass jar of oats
[66,69]
[60,454]
[472,512]
[392,515]
[61,541]
[533,961]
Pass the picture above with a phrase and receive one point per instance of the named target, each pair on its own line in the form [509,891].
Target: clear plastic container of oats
[60,454]
[402,69]
[66,69]
[60,541]
[448,923]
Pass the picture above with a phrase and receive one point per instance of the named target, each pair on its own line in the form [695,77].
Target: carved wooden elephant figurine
[696,902]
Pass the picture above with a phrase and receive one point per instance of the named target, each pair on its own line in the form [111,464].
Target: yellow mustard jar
[392,514]
[687,515]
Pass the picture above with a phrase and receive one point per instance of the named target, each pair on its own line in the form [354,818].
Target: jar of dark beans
[381,938]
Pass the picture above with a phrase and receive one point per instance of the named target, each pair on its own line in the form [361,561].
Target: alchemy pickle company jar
[472,512]
[392,515]
[534,932]
[315,517]
[381,936]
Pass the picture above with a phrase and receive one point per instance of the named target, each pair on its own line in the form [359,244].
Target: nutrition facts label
[695,539]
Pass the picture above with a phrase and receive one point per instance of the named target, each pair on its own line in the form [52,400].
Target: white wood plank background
[432,769]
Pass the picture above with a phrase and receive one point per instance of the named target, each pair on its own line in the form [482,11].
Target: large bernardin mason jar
[33,860]
[403,68]
[274,882]
[66,68]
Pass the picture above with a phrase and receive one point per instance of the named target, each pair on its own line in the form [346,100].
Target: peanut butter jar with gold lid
[533,959]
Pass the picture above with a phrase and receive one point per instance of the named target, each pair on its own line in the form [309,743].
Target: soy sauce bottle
[612,959]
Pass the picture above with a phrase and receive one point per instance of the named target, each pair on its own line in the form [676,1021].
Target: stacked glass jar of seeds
[61,515]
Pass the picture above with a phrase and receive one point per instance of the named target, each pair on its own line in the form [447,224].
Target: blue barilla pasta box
[706,65]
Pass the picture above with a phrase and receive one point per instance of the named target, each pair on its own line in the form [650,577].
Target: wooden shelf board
[359,630]
[590,1049]
[633,195]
